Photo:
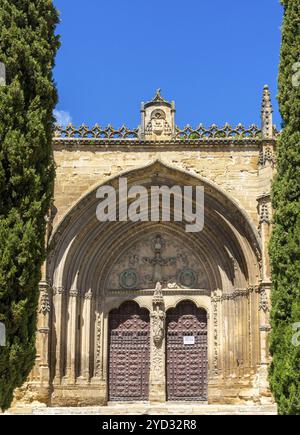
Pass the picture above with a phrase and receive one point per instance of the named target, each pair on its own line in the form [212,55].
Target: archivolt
[82,249]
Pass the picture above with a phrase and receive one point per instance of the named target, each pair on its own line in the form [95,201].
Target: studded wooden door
[187,353]
[129,353]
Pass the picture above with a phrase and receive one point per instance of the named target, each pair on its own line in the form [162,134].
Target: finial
[267,114]
[158,97]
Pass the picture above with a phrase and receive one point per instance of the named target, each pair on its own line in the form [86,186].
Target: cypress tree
[285,243]
[27,47]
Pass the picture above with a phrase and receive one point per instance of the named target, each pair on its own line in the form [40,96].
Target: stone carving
[187,278]
[74,293]
[158,298]
[267,155]
[217,295]
[158,318]
[158,315]
[96,132]
[215,132]
[189,133]
[264,214]
[264,206]
[98,366]
[133,259]
[267,114]
[157,363]
[216,356]
[157,259]
[265,328]
[174,286]
[88,295]
[129,279]
[45,306]
[158,119]
[58,290]
[264,302]
[158,124]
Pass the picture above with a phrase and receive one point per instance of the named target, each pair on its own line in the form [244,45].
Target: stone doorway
[129,353]
[186,351]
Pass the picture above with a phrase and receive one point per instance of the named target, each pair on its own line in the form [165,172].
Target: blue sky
[212,57]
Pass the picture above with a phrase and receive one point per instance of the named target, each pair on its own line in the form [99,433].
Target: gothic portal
[145,311]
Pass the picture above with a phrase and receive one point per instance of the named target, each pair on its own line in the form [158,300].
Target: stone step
[137,409]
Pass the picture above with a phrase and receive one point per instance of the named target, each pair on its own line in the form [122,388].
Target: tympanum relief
[157,258]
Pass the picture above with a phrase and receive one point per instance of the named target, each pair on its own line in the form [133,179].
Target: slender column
[58,331]
[265,212]
[216,363]
[72,334]
[104,351]
[98,372]
[43,330]
[101,352]
[86,337]
[264,204]
[157,388]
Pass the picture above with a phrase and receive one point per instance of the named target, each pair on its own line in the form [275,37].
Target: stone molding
[238,293]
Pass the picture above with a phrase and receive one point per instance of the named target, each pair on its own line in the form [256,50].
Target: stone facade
[92,267]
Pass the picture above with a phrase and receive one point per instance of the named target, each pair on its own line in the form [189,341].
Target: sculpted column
[265,210]
[157,387]
[43,329]
[99,380]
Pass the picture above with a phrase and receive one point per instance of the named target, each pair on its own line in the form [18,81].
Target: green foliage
[27,47]
[285,243]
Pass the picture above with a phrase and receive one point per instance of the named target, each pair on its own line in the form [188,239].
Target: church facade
[145,311]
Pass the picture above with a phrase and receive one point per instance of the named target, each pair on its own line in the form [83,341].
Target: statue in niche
[158,315]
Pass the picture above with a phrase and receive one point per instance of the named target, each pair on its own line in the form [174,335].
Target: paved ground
[146,409]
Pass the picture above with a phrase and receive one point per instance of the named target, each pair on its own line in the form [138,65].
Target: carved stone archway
[94,267]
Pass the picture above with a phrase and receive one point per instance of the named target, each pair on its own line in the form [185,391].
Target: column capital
[74,293]
[58,290]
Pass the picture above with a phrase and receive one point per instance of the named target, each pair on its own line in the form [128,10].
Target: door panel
[187,353]
[129,353]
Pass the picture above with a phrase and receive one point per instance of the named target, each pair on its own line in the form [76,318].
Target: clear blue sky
[212,57]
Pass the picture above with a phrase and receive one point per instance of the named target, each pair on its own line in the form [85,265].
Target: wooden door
[186,353]
[129,353]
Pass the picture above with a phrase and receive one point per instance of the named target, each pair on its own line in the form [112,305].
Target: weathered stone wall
[233,168]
